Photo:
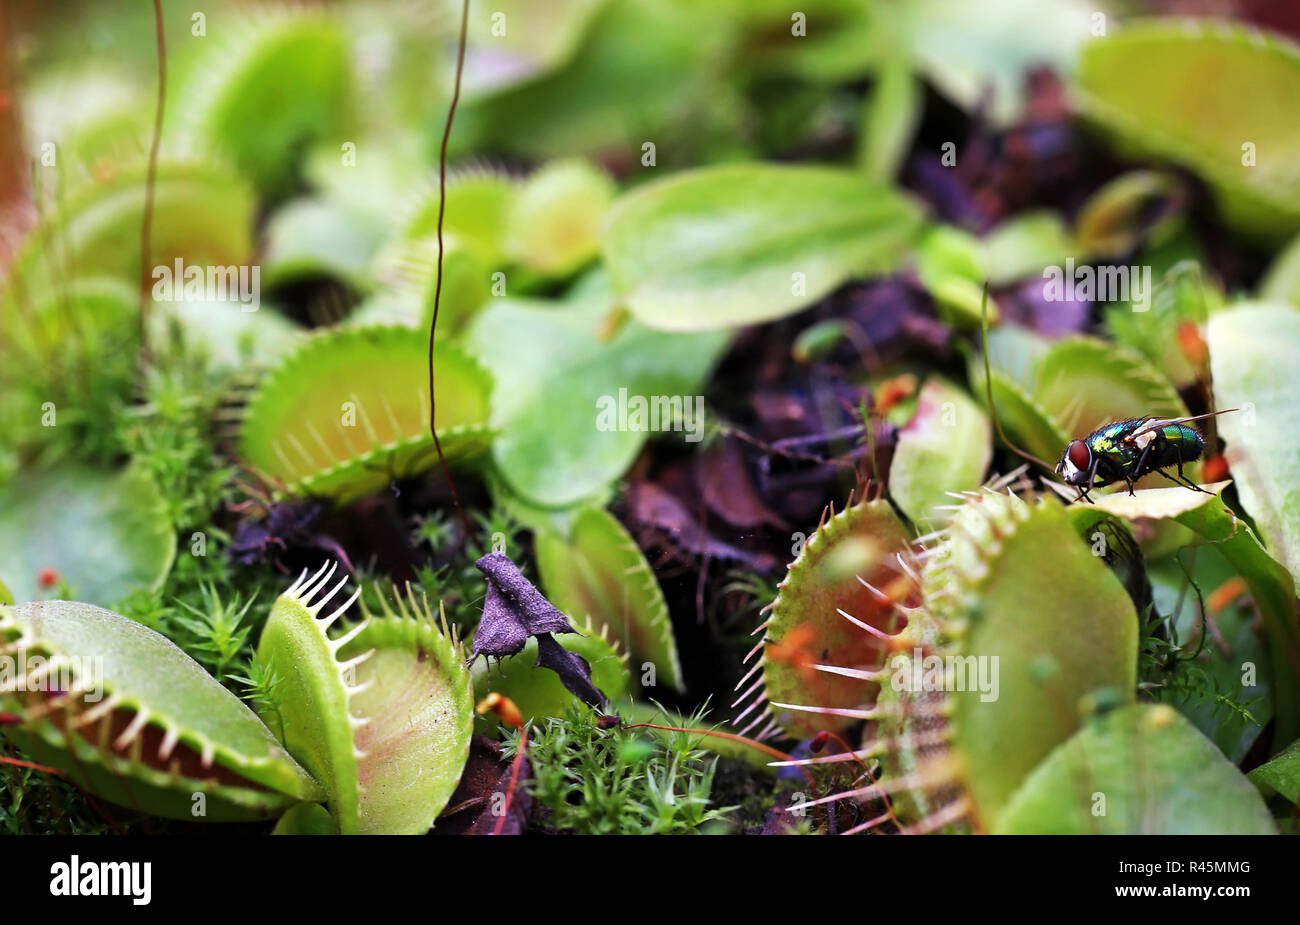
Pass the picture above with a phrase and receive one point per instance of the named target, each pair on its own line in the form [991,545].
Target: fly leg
[1142,461]
[1188,482]
[1185,482]
[1092,477]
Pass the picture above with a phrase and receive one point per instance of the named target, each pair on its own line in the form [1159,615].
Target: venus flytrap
[220,99]
[599,575]
[821,640]
[979,589]
[99,224]
[348,412]
[381,712]
[165,738]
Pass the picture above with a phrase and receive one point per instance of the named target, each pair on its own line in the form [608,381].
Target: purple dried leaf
[574,672]
[513,610]
[729,492]
[650,505]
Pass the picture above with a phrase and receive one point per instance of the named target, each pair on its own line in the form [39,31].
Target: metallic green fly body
[1127,450]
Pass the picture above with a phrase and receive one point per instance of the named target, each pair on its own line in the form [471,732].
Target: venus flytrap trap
[380,712]
[479,198]
[599,574]
[822,635]
[927,464]
[221,101]
[552,223]
[348,412]
[1073,386]
[164,738]
[99,224]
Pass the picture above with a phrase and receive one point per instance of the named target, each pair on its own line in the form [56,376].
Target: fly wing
[1157,423]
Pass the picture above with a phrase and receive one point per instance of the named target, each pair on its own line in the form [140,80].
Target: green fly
[1127,450]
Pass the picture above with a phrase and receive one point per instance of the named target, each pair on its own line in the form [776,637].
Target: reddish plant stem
[516,766]
[437,287]
[18,762]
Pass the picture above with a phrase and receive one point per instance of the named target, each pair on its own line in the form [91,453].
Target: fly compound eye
[1079,454]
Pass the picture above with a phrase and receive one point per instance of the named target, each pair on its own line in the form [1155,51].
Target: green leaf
[554,374]
[950,265]
[1136,85]
[1280,775]
[740,244]
[642,71]
[1253,350]
[1153,769]
[890,115]
[1023,245]
[599,575]
[946,447]
[104,533]
[1270,585]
